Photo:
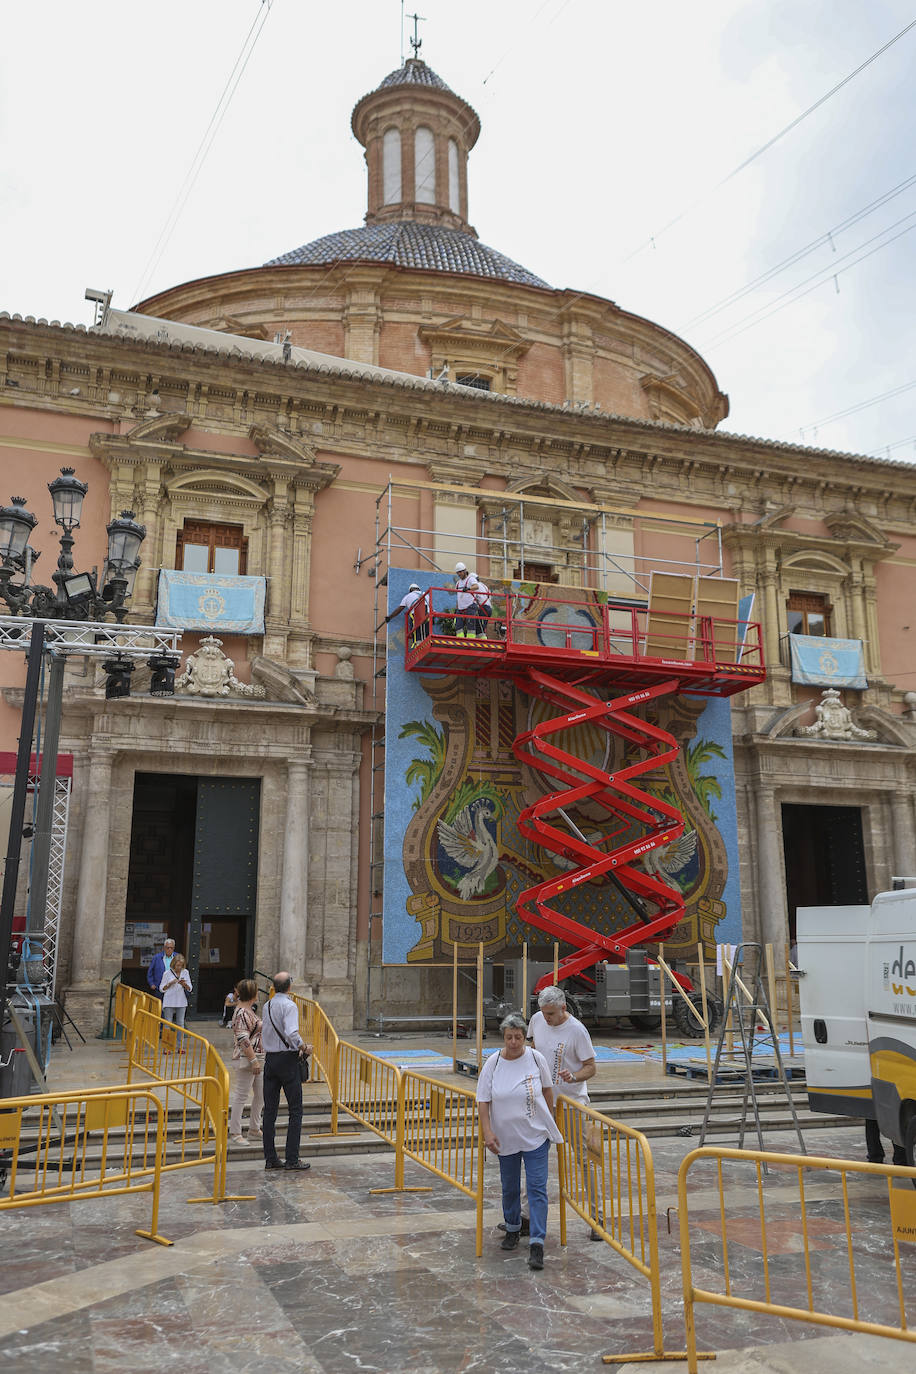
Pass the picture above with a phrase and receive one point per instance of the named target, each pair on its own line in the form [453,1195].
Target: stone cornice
[481,418]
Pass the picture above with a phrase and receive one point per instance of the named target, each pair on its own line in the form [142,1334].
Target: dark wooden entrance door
[225,887]
[193,875]
[825,857]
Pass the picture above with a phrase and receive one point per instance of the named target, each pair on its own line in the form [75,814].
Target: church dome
[407,243]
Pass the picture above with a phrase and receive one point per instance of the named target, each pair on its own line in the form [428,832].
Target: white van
[857,988]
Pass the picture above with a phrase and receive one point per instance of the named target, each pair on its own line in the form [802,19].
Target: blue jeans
[281,1070]
[510,1173]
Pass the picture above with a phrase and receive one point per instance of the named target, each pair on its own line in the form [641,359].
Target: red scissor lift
[595,662]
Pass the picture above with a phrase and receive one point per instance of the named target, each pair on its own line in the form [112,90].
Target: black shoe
[595,1235]
[509,1241]
[875,1159]
[298,1166]
[536,1256]
[526,1226]
[272,1164]
[899,1159]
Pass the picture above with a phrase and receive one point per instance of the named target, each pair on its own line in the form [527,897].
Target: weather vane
[416,42]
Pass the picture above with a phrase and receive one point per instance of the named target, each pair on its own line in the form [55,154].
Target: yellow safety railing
[368,1089]
[74,1146]
[316,1029]
[195,1084]
[807,1268]
[607,1177]
[439,1127]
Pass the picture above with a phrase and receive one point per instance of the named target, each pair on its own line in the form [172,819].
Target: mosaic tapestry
[454,861]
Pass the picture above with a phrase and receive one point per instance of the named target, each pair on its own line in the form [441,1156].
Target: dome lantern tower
[417,135]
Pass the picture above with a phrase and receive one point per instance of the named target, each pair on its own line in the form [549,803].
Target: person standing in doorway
[283,1048]
[160,962]
[176,988]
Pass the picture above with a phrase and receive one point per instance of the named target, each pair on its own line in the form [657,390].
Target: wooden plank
[717,604]
[668,623]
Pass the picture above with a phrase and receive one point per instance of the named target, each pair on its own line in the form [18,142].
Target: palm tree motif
[424,772]
[705,785]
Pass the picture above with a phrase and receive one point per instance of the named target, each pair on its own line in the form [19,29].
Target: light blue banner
[211,601]
[819,662]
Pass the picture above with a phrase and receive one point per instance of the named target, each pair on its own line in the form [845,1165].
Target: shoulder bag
[303,1058]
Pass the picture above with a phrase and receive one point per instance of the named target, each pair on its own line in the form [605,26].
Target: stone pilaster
[904,849]
[771,887]
[85,995]
[294,890]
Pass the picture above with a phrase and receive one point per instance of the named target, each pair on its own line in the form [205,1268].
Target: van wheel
[909,1143]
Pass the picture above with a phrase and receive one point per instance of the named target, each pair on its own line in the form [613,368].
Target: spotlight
[117,673]
[163,667]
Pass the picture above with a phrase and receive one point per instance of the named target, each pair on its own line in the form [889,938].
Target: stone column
[89,926]
[904,850]
[771,891]
[770,619]
[294,882]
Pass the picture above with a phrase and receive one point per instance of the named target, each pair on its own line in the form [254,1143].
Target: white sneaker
[238,1140]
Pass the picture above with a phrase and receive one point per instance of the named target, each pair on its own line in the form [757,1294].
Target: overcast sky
[603,122]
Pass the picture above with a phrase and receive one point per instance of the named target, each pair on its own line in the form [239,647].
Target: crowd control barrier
[440,1129]
[75,1146]
[317,1031]
[607,1177]
[775,1273]
[194,1082]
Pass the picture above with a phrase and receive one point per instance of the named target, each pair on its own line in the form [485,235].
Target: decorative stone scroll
[210,673]
[834,720]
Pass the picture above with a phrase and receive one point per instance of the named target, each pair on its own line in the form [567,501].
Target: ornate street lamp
[76,595]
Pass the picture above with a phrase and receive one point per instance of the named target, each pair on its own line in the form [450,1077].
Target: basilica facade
[400,396]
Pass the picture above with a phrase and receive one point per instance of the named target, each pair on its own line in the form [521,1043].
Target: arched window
[454,195]
[391,167]
[425,166]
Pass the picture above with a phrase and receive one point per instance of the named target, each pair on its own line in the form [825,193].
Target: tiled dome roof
[414,73]
[406,243]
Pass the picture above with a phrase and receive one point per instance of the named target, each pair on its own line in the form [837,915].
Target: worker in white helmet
[483,608]
[466,620]
[406,605]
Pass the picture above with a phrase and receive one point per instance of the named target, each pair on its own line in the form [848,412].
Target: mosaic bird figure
[468,840]
[668,860]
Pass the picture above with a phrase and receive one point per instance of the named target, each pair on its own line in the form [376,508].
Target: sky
[612,135]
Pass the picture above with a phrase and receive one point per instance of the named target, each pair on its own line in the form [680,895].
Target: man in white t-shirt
[565,1044]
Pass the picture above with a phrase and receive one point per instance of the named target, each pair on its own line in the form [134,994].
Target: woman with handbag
[247,1065]
[515,1102]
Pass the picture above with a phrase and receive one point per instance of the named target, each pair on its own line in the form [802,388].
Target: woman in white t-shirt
[175,986]
[515,1101]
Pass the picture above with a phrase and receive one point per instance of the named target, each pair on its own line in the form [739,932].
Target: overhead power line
[863,405]
[771,142]
[825,274]
[206,143]
[800,254]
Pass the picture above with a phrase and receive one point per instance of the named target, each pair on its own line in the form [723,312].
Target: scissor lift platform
[596,660]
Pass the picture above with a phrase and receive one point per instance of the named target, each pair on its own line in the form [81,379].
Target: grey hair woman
[515,1101]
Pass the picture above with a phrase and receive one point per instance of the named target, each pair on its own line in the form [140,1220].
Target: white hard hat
[461,567]
[414,587]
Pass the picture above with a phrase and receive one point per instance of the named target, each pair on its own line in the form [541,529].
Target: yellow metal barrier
[796,1261]
[193,1077]
[607,1177]
[439,1127]
[74,1146]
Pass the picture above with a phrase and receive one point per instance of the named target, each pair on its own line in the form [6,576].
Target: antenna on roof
[416,42]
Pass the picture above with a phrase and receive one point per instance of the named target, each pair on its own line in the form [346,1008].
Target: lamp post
[76,598]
